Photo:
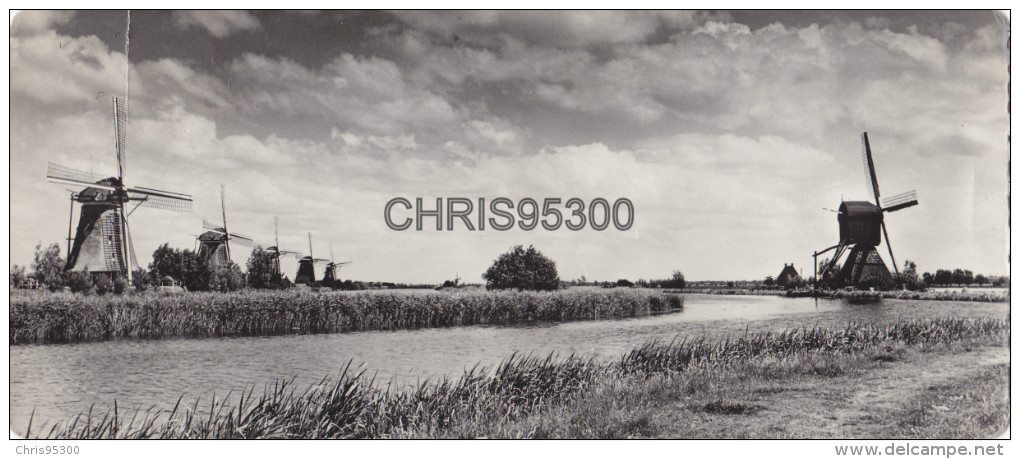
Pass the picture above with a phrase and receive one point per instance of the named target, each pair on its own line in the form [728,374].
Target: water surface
[62,380]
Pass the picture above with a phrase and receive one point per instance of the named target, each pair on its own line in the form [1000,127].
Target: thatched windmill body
[102,241]
[861,227]
[306,266]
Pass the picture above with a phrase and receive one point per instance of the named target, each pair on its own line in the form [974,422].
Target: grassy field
[44,317]
[932,378]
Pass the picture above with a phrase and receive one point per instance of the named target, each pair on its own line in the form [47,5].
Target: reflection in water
[60,381]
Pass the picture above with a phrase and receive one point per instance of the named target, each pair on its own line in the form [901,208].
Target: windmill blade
[869,167]
[900,201]
[282,253]
[892,258]
[70,176]
[120,118]
[158,199]
[132,260]
[246,241]
[206,224]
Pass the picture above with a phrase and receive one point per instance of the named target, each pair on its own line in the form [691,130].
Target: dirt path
[866,405]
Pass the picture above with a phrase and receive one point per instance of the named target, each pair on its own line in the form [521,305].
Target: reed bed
[59,318]
[973,295]
[350,405]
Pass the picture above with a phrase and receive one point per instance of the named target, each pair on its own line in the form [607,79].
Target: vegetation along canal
[59,381]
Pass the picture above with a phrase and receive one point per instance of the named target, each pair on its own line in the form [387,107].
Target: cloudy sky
[731,132]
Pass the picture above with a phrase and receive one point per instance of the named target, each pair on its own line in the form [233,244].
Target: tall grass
[974,295]
[56,318]
[350,405]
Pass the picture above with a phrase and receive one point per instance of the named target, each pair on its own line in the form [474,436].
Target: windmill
[859,225]
[214,244]
[276,251]
[329,275]
[102,242]
[306,266]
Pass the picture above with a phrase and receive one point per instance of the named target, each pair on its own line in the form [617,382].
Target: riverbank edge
[507,402]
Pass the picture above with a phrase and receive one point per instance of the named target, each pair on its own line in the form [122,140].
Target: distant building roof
[787,275]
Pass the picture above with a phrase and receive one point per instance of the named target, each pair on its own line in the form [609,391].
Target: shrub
[104,284]
[522,269]
[80,282]
[120,284]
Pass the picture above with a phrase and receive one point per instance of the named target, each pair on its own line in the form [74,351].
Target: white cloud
[34,22]
[218,23]
[562,28]
[55,69]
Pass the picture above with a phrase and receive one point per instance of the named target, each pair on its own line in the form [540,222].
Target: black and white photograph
[510,224]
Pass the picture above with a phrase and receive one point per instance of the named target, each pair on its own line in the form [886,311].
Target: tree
[958,276]
[928,278]
[980,279]
[17,276]
[182,265]
[224,278]
[676,281]
[769,282]
[826,277]
[909,277]
[48,266]
[522,269]
[141,279]
[262,272]
[943,277]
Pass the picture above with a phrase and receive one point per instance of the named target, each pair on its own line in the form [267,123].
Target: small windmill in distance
[306,266]
[329,276]
[276,250]
[214,244]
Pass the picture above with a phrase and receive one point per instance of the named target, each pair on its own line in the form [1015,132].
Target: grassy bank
[569,397]
[43,317]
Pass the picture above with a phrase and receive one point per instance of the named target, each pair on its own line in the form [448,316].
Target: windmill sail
[869,167]
[69,176]
[120,119]
[157,199]
[900,201]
